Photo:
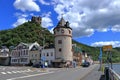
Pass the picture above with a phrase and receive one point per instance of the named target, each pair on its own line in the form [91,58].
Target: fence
[110,74]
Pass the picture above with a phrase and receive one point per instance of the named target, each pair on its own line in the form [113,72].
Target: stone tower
[63,41]
[37,20]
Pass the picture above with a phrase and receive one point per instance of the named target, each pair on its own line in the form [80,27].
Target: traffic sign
[107,48]
[43,58]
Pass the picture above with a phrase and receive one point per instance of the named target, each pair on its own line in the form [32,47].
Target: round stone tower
[63,41]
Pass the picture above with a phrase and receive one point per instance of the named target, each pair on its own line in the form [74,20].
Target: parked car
[86,64]
[37,65]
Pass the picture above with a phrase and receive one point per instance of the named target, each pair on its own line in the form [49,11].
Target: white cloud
[44,3]
[116,28]
[46,20]
[19,22]
[26,5]
[113,43]
[86,16]
[20,15]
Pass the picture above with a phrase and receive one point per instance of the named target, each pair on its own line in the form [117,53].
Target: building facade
[77,54]
[49,56]
[4,56]
[63,42]
[25,54]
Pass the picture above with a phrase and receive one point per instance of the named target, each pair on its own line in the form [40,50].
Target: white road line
[18,71]
[14,72]
[9,72]
[3,73]
[29,76]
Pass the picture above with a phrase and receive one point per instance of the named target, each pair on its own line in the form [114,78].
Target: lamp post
[43,42]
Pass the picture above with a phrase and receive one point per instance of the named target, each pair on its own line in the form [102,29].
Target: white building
[49,55]
[4,56]
[25,54]
[63,42]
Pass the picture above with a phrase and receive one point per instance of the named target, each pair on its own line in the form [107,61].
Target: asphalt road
[95,74]
[27,73]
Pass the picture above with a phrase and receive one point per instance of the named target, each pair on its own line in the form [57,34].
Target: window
[60,49]
[23,59]
[44,54]
[40,54]
[47,54]
[24,52]
[32,55]
[51,53]
[35,55]
[23,47]
[59,41]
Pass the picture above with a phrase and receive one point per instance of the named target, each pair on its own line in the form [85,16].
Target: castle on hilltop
[37,20]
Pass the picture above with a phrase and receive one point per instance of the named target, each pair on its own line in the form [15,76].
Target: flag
[100,55]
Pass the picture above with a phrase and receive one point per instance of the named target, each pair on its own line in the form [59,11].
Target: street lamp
[43,42]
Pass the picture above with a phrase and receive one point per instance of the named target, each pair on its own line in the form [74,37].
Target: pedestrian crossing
[14,72]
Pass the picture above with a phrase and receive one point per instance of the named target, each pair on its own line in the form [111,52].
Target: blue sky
[94,22]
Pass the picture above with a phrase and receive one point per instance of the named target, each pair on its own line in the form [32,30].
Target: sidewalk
[94,75]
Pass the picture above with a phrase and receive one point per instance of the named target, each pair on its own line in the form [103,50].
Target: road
[95,74]
[28,73]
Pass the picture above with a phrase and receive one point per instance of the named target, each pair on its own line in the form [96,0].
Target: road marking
[3,73]
[9,72]
[14,72]
[29,76]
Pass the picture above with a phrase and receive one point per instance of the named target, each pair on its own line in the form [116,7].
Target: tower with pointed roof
[63,41]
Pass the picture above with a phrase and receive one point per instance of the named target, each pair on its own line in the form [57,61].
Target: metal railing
[110,74]
[113,75]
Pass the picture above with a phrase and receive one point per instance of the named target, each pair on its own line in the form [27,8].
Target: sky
[94,22]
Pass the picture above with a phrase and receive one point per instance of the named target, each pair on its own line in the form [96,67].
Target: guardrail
[110,74]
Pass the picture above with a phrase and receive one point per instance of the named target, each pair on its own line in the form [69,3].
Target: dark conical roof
[62,24]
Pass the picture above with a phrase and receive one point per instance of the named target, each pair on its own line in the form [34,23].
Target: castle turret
[63,41]
[37,20]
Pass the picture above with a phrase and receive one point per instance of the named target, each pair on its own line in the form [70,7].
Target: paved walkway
[94,75]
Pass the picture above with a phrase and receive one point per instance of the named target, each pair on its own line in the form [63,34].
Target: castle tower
[36,19]
[63,41]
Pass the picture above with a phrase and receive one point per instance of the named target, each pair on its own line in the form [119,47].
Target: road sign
[43,58]
[107,48]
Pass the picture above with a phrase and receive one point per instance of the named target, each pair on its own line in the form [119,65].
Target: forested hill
[28,32]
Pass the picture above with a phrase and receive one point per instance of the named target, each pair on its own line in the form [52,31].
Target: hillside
[94,52]
[30,32]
